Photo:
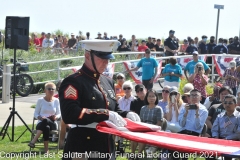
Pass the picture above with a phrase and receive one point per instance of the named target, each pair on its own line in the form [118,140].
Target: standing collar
[89,72]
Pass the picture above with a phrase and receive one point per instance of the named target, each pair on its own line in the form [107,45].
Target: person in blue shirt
[191,48]
[210,47]
[191,65]
[172,73]
[220,48]
[192,119]
[149,69]
[203,48]
[234,47]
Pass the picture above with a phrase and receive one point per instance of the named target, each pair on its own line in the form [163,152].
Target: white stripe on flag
[185,143]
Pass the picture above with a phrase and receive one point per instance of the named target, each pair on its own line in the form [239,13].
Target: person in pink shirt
[184,46]
[199,80]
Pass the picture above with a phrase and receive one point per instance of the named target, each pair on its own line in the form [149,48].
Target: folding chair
[164,125]
[204,130]
[52,132]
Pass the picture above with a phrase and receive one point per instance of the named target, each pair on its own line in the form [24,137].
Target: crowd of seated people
[185,114]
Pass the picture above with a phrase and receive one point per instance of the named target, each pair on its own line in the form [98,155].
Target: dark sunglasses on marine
[127,88]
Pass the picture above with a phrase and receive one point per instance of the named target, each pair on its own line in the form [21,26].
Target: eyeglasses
[140,90]
[147,52]
[194,95]
[127,88]
[228,102]
[166,91]
[50,89]
[173,93]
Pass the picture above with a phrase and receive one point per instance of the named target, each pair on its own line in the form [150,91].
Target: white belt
[91,125]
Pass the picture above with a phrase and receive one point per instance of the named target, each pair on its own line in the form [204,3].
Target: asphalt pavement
[24,110]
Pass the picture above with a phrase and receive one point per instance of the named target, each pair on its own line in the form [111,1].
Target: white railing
[58,69]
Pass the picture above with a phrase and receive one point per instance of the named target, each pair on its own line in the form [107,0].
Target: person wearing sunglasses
[186,92]
[136,106]
[216,109]
[227,124]
[125,101]
[199,80]
[149,69]
[171,45]
[175,105]
[124,104]
[118,86]
[192,117]
[47,111]
[164,102]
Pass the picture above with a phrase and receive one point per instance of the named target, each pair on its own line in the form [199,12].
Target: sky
[142,18]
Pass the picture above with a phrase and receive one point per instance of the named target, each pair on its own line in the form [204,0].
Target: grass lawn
[21,149]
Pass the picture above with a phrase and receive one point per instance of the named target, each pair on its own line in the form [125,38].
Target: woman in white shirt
[125,101]
[124,104]
[175,104]
[47,111]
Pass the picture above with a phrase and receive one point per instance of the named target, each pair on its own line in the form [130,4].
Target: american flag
[151,134]
[227,122]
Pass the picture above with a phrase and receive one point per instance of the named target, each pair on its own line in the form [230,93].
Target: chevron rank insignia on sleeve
[71,93]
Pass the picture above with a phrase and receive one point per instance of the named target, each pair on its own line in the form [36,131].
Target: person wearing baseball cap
[87,97]
[171,45]
[72,42]
[99,36]
[191,65]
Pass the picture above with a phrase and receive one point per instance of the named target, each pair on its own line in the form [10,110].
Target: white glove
[117,119]
[133,116]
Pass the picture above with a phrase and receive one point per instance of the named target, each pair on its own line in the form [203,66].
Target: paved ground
[23,108]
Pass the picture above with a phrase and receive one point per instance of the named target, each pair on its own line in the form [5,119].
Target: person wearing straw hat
[88,97]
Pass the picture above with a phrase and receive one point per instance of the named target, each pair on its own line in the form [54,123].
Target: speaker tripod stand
[13,112]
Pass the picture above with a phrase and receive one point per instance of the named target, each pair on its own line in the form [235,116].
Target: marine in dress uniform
[88,97]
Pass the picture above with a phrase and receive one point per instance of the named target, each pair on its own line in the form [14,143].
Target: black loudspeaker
[17,32]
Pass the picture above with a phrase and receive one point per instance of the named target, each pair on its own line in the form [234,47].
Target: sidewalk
[23,109]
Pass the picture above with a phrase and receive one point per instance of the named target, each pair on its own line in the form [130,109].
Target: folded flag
[151,134]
